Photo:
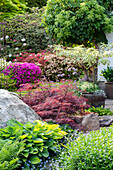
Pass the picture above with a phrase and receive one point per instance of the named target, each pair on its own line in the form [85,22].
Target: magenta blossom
[23,73]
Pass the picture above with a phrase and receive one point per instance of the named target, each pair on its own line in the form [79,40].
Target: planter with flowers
[96,98]
[108,75]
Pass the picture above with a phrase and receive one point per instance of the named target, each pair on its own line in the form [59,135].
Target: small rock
[105,121]
[90,122]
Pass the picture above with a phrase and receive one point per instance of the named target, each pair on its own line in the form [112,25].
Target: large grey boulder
[11,107]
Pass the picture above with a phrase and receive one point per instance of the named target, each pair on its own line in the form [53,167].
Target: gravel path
[109,104]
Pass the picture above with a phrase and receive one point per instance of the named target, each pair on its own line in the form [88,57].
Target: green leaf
[23,136]
[41,148]
[45,153]
[12,137]
[38,140]
[34,160]
[29,145]
[29,136]
[26,154]
[49,143]
[28,125]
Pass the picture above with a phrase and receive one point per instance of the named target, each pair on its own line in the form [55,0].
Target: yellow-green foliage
[7,83]
[40,138]
[9,8]
[9,154]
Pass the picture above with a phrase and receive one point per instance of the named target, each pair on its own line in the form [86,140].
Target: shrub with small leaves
[57,104]
[91,151]
[56,69]
[25,33]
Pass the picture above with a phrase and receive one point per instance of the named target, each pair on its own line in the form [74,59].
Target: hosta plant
[40,139]
[100,110]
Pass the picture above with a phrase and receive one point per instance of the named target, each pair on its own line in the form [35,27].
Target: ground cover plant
[91,151]
[100,110]
[23,72]
[58,104]
[40,141]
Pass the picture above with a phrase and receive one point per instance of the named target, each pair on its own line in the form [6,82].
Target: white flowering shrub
[24,33]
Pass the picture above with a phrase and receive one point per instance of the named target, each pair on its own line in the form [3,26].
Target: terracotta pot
[95,100]
[109,90]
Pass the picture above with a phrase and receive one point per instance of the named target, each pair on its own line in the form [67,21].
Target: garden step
[105,121]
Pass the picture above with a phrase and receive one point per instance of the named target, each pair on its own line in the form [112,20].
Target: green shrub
[107,4]
[9,154]
[25,34]
[91,151]
[7,83]
[77,21]
[100,110]
[40,139]
[36,3]
[10,8]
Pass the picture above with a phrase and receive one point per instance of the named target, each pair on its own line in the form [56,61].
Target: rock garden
[53,111]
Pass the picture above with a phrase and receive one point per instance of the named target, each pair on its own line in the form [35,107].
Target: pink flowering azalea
[23,73]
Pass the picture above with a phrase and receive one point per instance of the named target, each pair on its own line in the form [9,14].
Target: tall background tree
[107,4]
[9,8]
[36,3]
[77,21]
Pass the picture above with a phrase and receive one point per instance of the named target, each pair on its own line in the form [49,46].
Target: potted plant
[88,58]
[96,98]
[108,75]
